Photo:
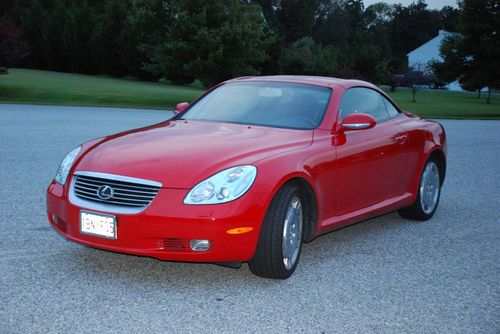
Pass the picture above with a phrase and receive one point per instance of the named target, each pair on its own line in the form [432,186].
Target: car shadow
[359,239]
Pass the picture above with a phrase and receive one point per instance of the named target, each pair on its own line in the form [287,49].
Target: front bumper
[164,228]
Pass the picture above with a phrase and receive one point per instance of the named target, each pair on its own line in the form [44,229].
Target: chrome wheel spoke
[292,233]
[429,187]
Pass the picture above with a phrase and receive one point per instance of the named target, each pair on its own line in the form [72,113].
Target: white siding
[421,56]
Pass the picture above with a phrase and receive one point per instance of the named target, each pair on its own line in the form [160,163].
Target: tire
[280,241]
[428,194]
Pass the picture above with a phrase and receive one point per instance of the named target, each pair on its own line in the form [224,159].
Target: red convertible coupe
[249,171]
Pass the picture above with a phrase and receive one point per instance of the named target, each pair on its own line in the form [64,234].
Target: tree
[367,62]
[304,56]
[106,41]
[146,22]
[412,26]
[66,29]
[341,24]
[414,80]
[473,56]
[450,68]
[217,39]
[30,17]
[296,17]
[473,85]
[12,47]
[480,46]
[450,18]
[210,40]
[377,18]
[75,37]
[293,19]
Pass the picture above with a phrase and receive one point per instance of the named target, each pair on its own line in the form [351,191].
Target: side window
[363,100]
[391,109]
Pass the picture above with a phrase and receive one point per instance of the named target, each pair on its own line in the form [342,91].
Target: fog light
[55,219]
[199,245]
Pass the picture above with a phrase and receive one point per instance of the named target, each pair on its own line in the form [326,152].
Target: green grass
[45,87]
[433,103]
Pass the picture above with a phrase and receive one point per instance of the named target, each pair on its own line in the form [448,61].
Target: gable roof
[429,50]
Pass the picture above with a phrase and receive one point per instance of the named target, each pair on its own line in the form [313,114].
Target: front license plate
[98,224]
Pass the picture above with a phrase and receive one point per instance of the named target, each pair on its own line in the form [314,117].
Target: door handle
[401,139]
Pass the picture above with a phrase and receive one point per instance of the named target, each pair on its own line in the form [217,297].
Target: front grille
[124,193]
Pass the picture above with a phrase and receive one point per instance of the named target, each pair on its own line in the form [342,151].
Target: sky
[431,4]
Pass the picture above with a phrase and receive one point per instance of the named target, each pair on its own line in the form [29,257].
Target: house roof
[429,50]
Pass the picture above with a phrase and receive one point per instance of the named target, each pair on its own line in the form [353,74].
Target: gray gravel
[386,275]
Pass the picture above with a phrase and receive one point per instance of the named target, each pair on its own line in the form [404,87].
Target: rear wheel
[428,195]
[280,241]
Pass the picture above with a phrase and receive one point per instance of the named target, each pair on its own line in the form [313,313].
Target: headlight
[63,171]
[223,187]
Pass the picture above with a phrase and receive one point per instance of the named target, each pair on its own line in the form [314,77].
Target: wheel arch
[438,155]
[309,195]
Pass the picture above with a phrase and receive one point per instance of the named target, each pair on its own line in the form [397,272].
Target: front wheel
[428,195]
[280,241]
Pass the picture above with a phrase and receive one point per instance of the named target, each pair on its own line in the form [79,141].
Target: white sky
[431,4]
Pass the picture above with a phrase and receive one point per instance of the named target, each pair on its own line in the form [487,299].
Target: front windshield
[275,104]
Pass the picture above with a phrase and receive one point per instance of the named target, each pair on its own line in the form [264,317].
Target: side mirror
[180,107]
[358,121]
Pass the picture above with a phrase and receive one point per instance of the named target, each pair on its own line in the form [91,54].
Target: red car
[249,171]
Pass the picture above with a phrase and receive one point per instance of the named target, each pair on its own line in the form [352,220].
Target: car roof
[307,79]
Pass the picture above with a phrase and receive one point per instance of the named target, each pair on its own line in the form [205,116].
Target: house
[419,58]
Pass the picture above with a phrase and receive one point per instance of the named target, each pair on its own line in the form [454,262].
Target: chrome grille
[126,192]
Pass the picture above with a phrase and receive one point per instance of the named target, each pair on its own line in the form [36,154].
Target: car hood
[181,153]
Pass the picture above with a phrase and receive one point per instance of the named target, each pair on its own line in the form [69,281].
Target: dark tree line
[183,40]
[12,47]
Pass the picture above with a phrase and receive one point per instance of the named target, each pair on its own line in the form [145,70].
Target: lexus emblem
[105,192]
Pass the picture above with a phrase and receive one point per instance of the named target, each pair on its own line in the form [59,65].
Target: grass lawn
[45,87]
[433,103]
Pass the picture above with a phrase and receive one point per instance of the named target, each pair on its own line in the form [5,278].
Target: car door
[369,161]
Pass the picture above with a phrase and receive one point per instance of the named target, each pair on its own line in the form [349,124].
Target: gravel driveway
[386,275]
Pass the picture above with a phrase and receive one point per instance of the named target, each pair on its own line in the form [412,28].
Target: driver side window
[363,100]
